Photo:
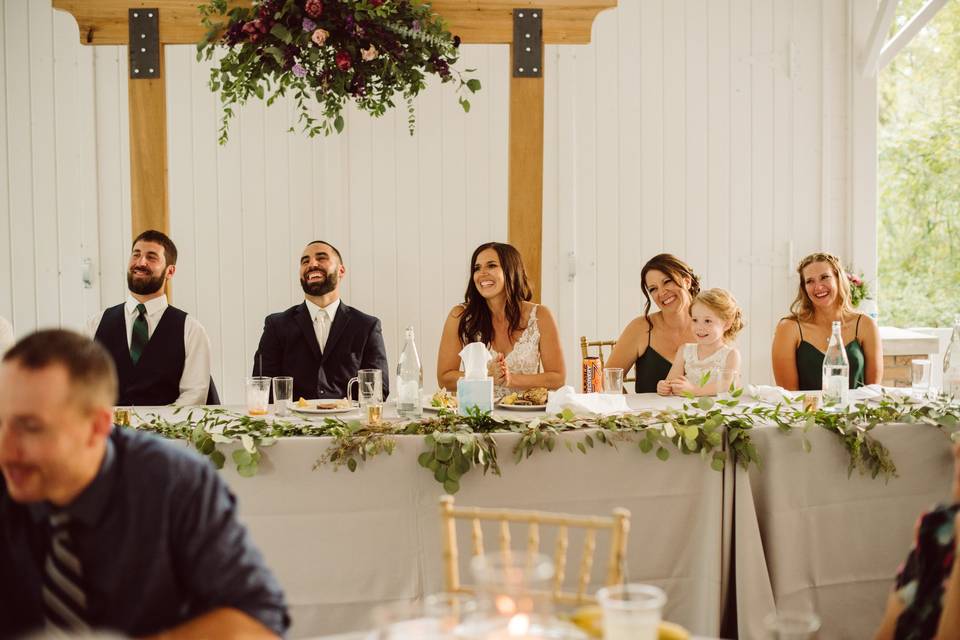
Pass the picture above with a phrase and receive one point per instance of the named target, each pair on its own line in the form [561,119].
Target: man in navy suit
[321,342]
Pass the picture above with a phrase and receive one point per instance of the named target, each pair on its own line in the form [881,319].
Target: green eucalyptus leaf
[218,459]
[663,454]
[242,457]
[352,464]
[451,486]
[424,458]
[646,446]
[247,470]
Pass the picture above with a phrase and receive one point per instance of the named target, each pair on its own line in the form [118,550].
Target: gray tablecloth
[805,535]
[809,538]
[342,543]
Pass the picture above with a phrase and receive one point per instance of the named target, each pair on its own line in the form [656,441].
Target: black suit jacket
[289,347]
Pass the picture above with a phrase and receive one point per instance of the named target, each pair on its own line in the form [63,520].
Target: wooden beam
[878,35]
[909,30]
[525,230]
[475,21]
[148,153]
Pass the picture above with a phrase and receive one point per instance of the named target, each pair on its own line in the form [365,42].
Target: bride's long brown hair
[476,322]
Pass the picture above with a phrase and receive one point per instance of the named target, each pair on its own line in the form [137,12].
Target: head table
[727,546]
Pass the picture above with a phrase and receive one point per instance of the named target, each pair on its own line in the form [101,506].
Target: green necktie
[138,341]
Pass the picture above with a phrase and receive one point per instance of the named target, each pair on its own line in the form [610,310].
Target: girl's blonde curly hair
[722,302]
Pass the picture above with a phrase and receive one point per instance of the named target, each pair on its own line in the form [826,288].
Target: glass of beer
[369,393]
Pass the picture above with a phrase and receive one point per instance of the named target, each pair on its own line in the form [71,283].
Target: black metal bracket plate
[144,43]
[527,43]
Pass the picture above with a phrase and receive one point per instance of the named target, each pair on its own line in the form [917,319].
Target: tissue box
[474,393]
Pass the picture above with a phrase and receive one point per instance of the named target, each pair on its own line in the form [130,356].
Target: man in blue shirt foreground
[109,528]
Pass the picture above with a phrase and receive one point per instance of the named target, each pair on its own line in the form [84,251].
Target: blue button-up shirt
[158,538]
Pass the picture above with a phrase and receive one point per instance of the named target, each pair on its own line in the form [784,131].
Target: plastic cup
[258,395]
[631,611]
[791,625]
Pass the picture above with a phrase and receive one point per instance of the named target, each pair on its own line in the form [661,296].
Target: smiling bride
[522,336]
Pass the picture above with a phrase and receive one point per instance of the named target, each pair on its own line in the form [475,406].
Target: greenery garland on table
[328,51]
[457,444]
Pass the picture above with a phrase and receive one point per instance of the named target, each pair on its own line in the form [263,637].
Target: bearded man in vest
[162,354]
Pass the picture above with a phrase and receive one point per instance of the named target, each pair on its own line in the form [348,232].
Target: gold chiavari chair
[618,524]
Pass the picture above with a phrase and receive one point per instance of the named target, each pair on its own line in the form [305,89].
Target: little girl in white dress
[702,367]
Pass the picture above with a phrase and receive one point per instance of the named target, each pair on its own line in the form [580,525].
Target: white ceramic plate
[312,409]
[429,407]
[522,407]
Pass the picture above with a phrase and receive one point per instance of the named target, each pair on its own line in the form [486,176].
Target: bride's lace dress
[525,357]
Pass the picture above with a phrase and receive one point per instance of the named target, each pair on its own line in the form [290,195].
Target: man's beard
[145,287]
[321,287]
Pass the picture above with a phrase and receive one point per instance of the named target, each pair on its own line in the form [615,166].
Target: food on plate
[342,403]
[444,399]
[671,631]
[589,619]
[528,397]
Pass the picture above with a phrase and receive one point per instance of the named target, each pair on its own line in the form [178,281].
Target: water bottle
[836,372]
[951,362]
[409,380]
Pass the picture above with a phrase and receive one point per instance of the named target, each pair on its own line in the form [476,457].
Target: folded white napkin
[590,404]
[770,394]
[876,391]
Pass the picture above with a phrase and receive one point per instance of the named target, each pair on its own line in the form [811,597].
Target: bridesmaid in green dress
[802,338]
[670,283]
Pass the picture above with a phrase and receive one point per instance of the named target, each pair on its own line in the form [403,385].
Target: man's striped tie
[64,601]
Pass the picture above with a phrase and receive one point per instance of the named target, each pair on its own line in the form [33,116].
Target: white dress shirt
[6,335]
[195,379]
[322,318]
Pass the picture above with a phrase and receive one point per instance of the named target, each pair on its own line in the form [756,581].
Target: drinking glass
[726,381]
[920,374]
[121,416]
[613,380]
[369,393]
[631,611]
[282,395]
[258,395]
[438,616]
[791,625]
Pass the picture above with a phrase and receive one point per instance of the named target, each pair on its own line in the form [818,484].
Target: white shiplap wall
[735,133]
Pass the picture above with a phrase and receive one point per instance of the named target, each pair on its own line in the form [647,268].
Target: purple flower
[309,25]
[299,70]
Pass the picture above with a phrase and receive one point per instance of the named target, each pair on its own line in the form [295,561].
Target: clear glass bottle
[836,372]
[409,379]
[951,362]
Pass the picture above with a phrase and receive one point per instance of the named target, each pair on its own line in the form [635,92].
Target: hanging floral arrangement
[328,52]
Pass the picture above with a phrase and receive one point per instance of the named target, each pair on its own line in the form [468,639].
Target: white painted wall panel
[717,129]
